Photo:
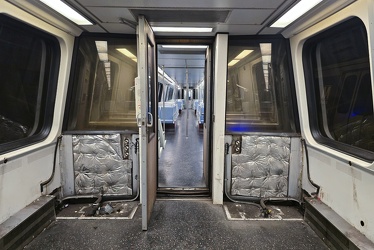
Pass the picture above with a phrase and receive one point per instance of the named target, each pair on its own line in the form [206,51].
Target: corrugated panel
[99,165]
[261,169]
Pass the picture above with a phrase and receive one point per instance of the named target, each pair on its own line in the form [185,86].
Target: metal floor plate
[108,210]
[239,211]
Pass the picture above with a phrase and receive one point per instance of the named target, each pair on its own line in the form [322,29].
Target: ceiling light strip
[67,11]
[295,12]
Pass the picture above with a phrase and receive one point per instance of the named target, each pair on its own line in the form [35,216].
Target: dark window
[340,103]
[102,85]
[260,94]
[29,61]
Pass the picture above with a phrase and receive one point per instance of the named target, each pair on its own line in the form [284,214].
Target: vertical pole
[163,98]
[188,100]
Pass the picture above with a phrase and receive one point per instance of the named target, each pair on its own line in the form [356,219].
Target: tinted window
[29,62]
[102,85]
[339,88]
[260,95]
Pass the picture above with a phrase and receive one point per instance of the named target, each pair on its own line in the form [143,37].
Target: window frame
[71,93]
[49,85]
[256,40]
[312,100]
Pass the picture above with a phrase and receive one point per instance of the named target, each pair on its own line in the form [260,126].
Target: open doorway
[183,135]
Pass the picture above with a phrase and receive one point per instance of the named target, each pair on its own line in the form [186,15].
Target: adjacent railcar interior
[209,124]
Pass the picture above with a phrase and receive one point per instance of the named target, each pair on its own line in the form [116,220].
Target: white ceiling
[244,17]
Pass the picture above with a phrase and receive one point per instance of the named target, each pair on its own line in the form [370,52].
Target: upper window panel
[259,87]
[29,61]
[103,85]
[339,87]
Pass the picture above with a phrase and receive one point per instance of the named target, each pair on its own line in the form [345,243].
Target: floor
[181,161]
[179,224]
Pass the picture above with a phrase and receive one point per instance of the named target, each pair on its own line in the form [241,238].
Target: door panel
[146,118]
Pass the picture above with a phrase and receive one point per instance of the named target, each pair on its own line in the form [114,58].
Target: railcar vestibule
[245,107]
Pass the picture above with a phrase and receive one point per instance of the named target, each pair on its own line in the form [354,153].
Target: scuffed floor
[181,162]
[178,224]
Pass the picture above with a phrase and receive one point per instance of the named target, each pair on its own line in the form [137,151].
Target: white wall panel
[346,189]
[26,168]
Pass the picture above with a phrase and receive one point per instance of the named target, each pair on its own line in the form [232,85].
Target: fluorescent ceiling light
[181,29]
[239,57]
[243,54]
[103,57]
[128,54]
[295,12]
[233,62]
[102,46]
[185,46]
[66,11]
[102,50]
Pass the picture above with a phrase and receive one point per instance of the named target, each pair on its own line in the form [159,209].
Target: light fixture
[181,29]
[184,46]
[233,62]
[127,53]
[239,57]
[102,50]
[295,12]
[67,11]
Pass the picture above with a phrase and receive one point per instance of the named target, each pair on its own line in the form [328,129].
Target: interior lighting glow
[239,57]
[181,29]
[295,12]
[66,11]
[128,54]
[102,50]
[184,46]
[243,54]
[233,62]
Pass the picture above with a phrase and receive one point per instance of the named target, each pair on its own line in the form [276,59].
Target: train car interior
[180,166]
[186,124]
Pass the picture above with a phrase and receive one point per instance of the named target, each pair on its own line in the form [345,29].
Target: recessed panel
[186,4]
[185,16]
[252,16]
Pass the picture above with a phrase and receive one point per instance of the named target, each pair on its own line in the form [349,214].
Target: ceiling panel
[118,28]
[93,28]
[270,31]
[251,16]
[111,15]
[185,16]
[177,4]
[238,29]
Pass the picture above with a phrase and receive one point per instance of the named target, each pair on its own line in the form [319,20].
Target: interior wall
[26,168]
[345,188]
[219,107]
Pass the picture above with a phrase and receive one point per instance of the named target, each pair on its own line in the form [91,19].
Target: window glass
[28,78]
[259,95]
[339,87]
[103,85]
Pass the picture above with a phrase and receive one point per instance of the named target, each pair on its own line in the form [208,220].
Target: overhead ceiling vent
[185,16]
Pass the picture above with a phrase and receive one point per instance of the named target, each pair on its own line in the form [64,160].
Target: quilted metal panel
[261,169]
[99,165]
